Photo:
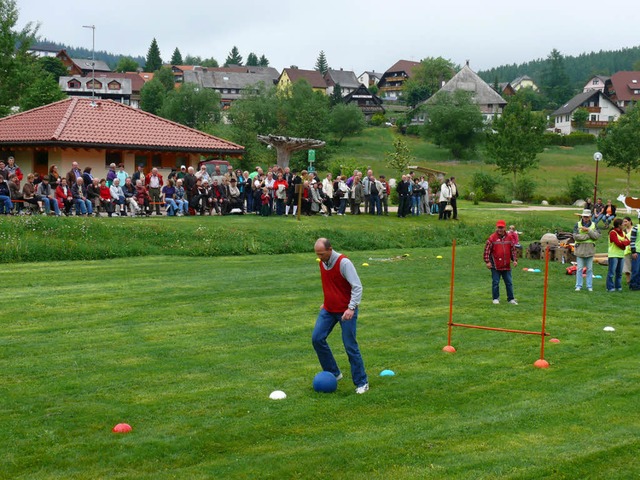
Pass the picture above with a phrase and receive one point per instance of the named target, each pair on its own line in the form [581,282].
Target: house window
[114,85]
[593,118]
[73,84]
[112,157]
[566,118]
[94,84]
[595,82]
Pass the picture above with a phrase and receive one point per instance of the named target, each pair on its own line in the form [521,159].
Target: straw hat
[585,213]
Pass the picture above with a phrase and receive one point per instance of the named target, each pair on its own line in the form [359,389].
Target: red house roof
[314,77]
[625,85]
[74,122]
[405,66]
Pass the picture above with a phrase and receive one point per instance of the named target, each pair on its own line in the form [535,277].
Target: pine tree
[154,61]
[321,63]
[234,57]
[176,58]
[263,62]
[252,60]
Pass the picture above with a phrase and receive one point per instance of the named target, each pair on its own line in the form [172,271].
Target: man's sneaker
[362,389]
[578,289]
[339,376]
[590,289]
[496,301]
[513,301]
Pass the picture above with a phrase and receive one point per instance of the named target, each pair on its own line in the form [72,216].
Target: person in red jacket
[342,294]
[499,252]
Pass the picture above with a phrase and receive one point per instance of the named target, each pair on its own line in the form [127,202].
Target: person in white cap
[585,235]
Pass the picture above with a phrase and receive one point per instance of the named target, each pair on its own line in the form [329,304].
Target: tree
[192,60]
[345,120]
[580,117]
[234,57]
[303,113]
[154,61]
[517,138]
[176,58]
[252,60]
[321,63]
[530,97]
[193,106]
[336,95]
[620,143]
[16,64]
[152,95]
[127,64]
[454,122]
[555,82]
[209,62]
[166,77]
[426,79]
[54,66]
[401,156]
[43,90]
[263,62]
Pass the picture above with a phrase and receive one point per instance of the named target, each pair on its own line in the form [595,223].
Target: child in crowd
[265,210]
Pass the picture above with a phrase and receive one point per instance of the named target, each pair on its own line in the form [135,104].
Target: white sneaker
[590,289]
[496,301]
[362,389]
[513,301]
[578,289]
[339,377]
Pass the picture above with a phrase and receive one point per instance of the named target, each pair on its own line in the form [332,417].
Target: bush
[377,119]
[485,182]
[560,200]
[524,189]
[571,140]
[579,187]
[413,130]
[494,198]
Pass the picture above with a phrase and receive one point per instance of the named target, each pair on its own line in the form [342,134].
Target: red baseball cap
[501,223]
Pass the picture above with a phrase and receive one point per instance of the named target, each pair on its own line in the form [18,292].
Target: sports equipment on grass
[325,382]
[121,428]
[278,395]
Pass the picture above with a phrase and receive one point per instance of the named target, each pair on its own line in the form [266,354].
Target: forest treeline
[579,68]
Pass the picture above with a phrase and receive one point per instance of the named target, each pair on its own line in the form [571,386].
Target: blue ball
[325,382]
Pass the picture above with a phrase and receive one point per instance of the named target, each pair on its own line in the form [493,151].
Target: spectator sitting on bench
[5,197]
[16,194]
[143,198]
[47,197]
[218,199]
[106,201]
[93,192]
[181,199]
[168,193]
[29,194]
[64,196]
[79,192]
[117,197]
[199,197]
[129,190]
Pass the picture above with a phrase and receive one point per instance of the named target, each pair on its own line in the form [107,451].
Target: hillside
[578,68]
[79,52]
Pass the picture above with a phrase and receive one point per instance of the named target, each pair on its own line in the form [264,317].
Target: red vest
[337,291]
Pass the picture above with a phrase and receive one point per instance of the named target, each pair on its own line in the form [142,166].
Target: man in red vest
[342,294]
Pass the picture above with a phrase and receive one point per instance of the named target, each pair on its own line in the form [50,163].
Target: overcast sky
[355,35]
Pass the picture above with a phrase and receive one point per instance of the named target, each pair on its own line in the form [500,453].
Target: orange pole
[496,329]
[544,300]
[453,269]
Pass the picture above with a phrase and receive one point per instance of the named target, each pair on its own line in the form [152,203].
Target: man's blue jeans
[324,325]
[634,283]
[581,263]
[614,275]
[83,207]
[7,204]
[375,205]
[50,203]
[495,283]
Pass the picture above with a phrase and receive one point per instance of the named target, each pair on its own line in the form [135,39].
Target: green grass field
[187,350]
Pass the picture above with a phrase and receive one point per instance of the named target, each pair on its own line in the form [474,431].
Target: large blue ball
[325,382]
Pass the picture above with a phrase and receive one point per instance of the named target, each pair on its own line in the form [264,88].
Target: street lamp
[597,157]
[93,63]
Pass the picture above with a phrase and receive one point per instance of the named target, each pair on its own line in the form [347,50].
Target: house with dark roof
[624,88]
[289,76]
[95,134]
[103,87]
[392,81]
[369,79]
[82,66]
[345,78]
[230,83]
[602,111]
[366,101]
[488,100]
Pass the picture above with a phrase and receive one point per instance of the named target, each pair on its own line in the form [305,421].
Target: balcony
[593,109]
[592,124]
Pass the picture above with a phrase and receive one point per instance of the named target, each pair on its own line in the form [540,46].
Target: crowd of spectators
[186,191]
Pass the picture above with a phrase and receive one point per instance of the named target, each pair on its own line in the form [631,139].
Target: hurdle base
[541,363]
[449,349]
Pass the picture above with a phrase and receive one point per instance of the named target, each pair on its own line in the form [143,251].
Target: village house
[597,82]
[289,76]
[623,88]
[96,134]
[602,111]
[392,81]
[345,78]
[369,79]
[366,101]
[524,82]
[82,66]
